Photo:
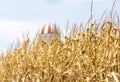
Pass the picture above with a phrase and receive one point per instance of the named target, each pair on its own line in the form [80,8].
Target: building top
[48,29]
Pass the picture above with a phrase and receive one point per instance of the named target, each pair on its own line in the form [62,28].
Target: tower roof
[48,28]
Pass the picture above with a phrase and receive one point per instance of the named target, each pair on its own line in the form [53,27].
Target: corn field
[89,55]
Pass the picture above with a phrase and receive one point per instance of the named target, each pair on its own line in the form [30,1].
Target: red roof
[48,28]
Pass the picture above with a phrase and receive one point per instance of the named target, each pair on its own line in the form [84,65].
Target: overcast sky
[20,16]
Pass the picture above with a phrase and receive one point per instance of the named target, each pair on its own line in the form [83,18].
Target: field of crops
[88,55]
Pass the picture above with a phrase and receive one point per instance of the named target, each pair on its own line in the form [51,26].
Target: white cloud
[11,30]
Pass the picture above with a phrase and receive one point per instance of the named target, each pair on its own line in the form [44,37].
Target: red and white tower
[49,29]
[47,32]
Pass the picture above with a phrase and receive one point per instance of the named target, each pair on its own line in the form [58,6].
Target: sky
[23,16]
